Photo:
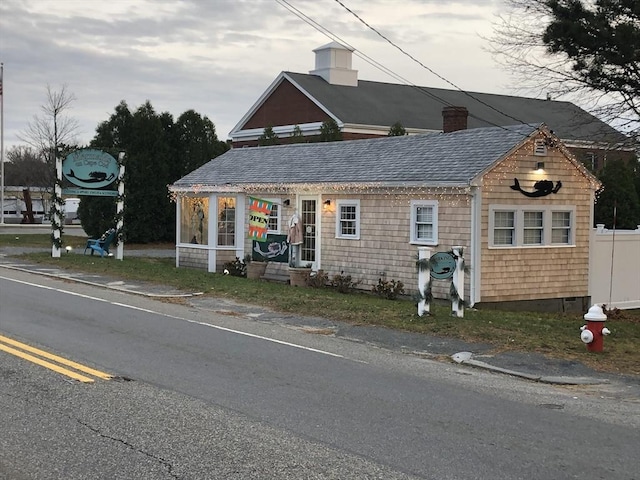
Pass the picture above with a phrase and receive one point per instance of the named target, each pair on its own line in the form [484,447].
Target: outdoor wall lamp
[327,204]
[539,166]
[286,202]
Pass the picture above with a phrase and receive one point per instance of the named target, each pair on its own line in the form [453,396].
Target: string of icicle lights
[395,194]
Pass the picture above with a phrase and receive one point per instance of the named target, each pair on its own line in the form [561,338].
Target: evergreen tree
[585,48]
[296,135]
[618,193]
[330,131]
[397,130]
[196,142]
[158,152]
[268,137]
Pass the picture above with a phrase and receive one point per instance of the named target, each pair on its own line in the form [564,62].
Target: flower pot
[299,277]
[255,270]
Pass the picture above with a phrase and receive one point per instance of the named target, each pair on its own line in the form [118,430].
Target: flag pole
[1,145]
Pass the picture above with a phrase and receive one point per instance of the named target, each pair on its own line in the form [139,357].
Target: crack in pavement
[164,462]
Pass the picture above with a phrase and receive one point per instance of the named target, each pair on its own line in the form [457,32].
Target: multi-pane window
[348,219]
[273,225]
[424,222]
[561,227]
[532,225]
[226,221]
[194,220]
[521,226]
[503,228]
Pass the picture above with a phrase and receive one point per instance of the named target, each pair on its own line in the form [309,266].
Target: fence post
[120,207]
[457,297]
[424,277]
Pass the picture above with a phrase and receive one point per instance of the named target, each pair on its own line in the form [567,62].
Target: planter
[255,270]
[299,277]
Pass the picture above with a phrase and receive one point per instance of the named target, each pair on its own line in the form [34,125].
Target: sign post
[441,266]
[424,281]
[91,172]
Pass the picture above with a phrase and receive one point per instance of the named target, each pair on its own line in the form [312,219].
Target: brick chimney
[454,118]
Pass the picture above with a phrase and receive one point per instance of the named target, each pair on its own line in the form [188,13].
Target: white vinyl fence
[614,268]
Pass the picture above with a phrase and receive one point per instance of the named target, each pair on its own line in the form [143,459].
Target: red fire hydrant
[594,331]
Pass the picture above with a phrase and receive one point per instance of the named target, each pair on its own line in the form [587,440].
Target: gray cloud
[215,57]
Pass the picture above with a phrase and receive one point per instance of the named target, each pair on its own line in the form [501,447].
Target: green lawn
[555,335]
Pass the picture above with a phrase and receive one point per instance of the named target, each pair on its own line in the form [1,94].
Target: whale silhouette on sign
[541,188]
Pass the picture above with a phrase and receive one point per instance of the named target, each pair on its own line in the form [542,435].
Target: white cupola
[333,63]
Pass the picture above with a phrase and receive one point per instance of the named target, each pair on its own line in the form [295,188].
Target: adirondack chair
[101,245]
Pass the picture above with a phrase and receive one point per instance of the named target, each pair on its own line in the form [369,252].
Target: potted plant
[255,268]
[299,276]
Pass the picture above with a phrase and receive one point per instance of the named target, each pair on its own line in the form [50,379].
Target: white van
[71,209]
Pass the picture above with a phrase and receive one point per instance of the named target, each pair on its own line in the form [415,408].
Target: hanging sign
[91,171]
[274,249]
[259,211]
[442,265]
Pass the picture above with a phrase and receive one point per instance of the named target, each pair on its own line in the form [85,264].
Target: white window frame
[537,228]
[547,226]
[512,229]
[571,228]
[277,217]
[347,203]
[415,204]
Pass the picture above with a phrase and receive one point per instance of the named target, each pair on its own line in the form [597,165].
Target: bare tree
[49,134]
[26,167]
[52,129]
[586,50]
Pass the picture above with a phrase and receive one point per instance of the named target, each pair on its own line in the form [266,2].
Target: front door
[310,243]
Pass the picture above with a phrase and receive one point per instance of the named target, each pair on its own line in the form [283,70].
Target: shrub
[388,289]
[237,268]
[318,279]
[343,283]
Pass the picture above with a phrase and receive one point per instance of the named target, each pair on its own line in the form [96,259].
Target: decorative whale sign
[442,265]
[89,168]
[541,188]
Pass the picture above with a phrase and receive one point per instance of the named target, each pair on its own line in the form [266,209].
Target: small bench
[102,244]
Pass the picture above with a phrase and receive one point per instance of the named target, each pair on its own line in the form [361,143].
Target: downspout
[241,224]
[475,247]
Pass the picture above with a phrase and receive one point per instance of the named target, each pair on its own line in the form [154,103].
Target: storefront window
[226,221]
[194,220]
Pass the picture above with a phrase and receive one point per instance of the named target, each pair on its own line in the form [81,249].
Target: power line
[328,33]
[422,64]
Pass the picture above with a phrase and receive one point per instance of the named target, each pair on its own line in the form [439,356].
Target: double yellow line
[25,352]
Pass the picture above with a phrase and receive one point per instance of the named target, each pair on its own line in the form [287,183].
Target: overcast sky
[218,56]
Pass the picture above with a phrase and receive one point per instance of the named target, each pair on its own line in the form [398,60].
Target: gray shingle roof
[378,103]
[429,159]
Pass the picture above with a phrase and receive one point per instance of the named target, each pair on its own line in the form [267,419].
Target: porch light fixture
[539,166]
[286,202]
[327,204]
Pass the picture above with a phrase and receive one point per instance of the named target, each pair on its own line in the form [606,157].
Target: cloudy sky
[218,56]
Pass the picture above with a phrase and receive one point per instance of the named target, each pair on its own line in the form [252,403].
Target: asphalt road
[203,394]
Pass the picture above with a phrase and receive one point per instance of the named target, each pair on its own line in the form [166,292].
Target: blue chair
[101,245]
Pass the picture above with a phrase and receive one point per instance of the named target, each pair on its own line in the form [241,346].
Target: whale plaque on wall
[541,188]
